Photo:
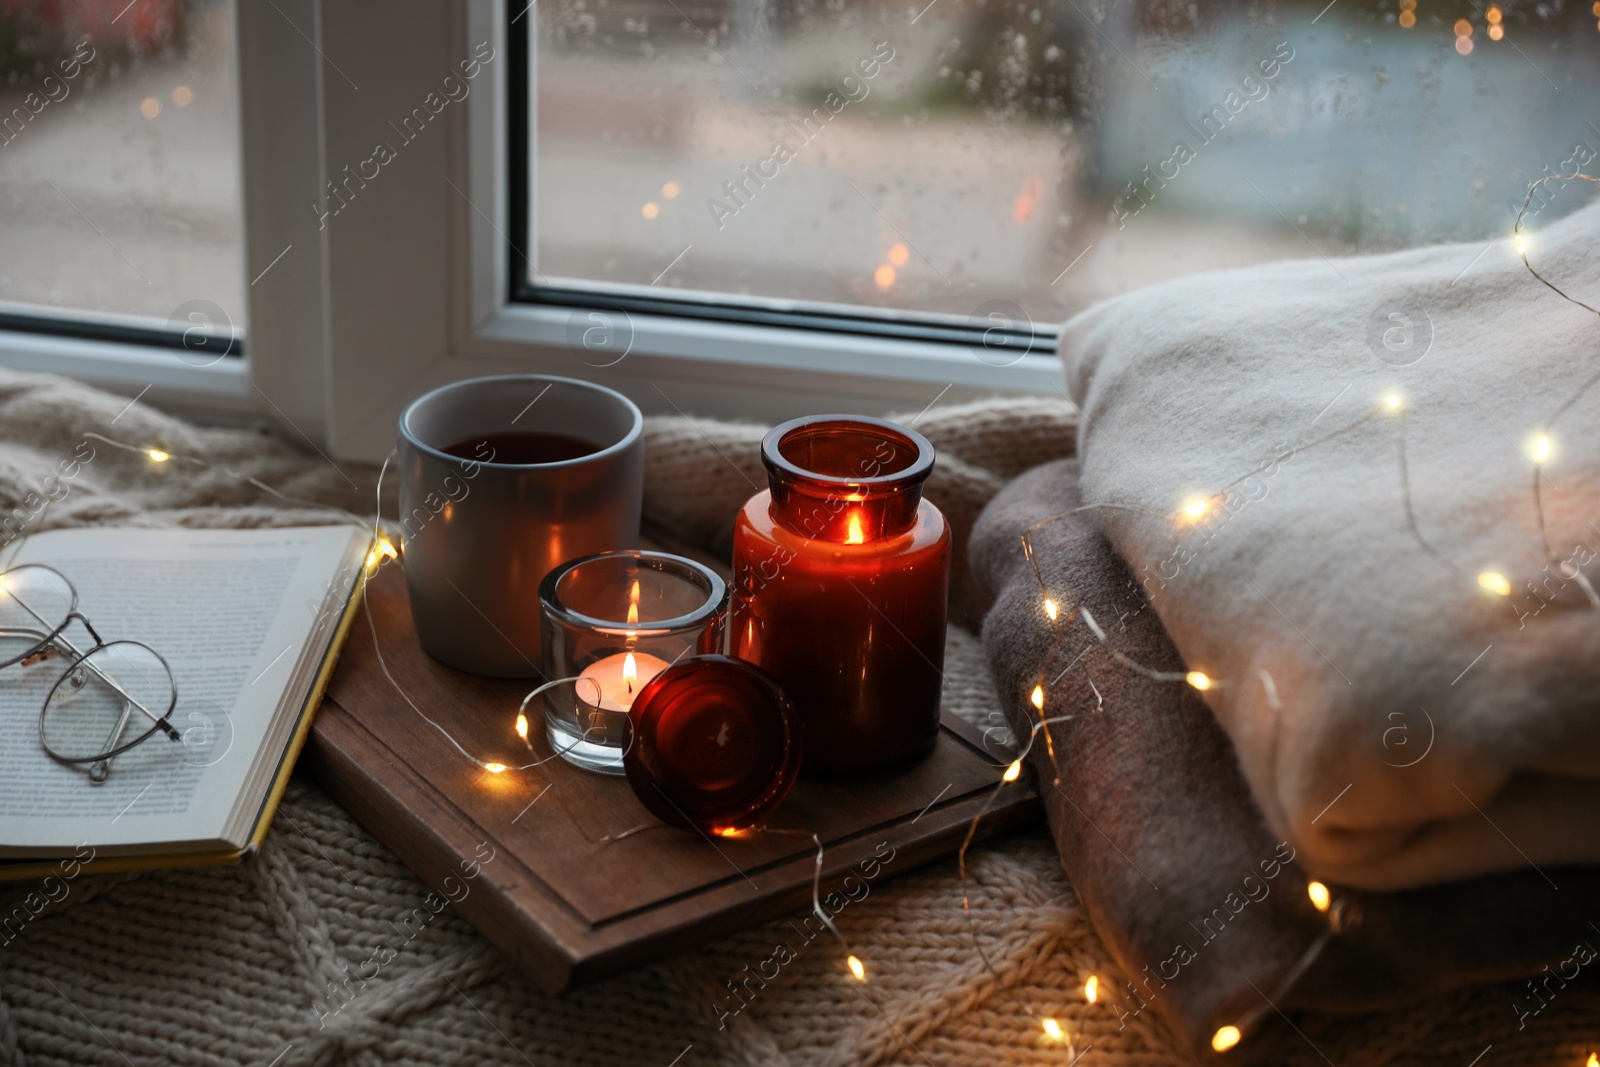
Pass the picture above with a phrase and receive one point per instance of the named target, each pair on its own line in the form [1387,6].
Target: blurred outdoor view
[915,158]
[119,157]
[905,157]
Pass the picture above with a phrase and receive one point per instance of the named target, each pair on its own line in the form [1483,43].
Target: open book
[249,621]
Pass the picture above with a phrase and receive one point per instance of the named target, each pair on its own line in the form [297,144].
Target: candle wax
[610,677]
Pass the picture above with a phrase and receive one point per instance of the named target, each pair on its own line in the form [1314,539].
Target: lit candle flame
[522,726]
[1051,609]
[853,535]
[1495,583]
[1594,1060]
[158,455]
[1053,1030]
[1038,697]
[494,768]
[857,968]
[1199,679]
[1013,772]
[1225,1038]
[1320,897]
[630,671]
[1091,989]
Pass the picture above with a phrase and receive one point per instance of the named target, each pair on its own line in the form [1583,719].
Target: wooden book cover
[532,858]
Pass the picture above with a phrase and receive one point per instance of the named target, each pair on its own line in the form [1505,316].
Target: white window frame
[407,287]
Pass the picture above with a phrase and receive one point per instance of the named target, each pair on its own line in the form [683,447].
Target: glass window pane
[933,157]
[119,150]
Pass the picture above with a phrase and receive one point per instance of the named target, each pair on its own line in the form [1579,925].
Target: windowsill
[777,356]
[154,375]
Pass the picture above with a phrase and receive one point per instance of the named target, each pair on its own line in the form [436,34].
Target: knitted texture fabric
[1167,849]
[267,964]
[1369,534]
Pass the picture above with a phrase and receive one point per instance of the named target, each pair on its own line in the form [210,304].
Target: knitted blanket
[1362,495]
[233,966]
[1207,911]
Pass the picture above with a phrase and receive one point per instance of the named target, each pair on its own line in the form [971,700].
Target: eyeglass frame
[99,765]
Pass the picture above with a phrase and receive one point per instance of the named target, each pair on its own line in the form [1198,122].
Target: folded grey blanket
[1204,907]
[1325,475]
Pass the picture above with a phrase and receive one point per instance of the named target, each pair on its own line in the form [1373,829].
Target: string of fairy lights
[382,550]
[1340,912]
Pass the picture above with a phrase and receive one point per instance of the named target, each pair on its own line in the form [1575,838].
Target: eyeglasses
[111,696]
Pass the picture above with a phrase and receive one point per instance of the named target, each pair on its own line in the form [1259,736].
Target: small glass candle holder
[612,622]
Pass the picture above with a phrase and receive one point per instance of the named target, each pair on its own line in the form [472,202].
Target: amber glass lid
[716,745]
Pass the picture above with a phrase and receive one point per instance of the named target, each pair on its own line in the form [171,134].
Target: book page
[231,611]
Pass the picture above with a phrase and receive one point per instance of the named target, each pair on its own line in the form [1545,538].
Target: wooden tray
[566,906]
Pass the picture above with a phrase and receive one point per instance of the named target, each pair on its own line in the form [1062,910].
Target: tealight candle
[612,622]
[617,679]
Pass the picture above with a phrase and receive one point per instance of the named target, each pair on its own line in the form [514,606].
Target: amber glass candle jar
[841,574]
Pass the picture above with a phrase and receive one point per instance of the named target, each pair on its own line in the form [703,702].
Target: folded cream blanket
[1324,473]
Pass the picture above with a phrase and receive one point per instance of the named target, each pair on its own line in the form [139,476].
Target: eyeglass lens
[90,713]
[35,602]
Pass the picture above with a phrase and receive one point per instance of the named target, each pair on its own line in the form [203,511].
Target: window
[941,159]
[119,172]
[757,208]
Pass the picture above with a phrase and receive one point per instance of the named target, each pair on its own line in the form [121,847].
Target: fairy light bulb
[1393,404]
[1037,698]
[495,768]
[1521,244]
[1199,680]
[1495,583]
[1013,772]
[382,549]
[158,455]
[1541,448]
[1053,1030]
[1091,989]
[522,726]
[1225,1038]
[857,968]
[1196,508]
[1320,897]
[1051,609]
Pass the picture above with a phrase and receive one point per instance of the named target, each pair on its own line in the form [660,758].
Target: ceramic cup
[480,533]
